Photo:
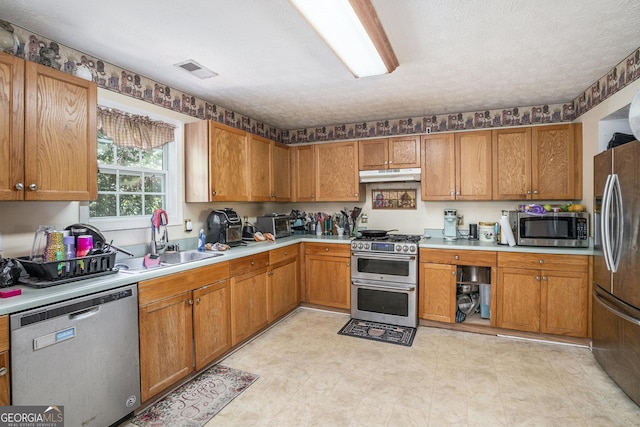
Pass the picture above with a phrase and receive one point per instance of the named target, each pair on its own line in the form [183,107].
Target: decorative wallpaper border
[108,76]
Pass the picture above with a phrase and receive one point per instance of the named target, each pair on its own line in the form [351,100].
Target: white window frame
[174,190]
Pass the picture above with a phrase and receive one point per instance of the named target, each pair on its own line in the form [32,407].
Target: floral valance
[128,130]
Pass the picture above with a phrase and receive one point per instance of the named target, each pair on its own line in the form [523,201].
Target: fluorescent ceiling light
[352,30]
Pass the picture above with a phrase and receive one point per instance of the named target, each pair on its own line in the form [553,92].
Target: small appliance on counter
[225,227]
[277,224]
[450,230]
[248,231]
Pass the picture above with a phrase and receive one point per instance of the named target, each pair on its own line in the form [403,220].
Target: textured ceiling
[455,56]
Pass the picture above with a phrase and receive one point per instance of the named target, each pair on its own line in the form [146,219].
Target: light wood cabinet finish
[336,170]
[211,322]
[544,293]
[5,368]
[248,304]
[437,292]
[389,153]
[281,172]
[283,287]
[217,163]
[328,275]
[248,264]
[456,166]
[459,257]
[166,343]
[538,163]
[49,128]
[270,170]
[304,180]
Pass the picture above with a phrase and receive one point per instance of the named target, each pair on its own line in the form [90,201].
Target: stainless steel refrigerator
[616,267]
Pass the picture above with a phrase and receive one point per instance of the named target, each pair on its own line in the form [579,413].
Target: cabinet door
[211,322]
[11,127]
[373,154]
[328,281]
[284,293]
[228,163]
[519,299]
[404,152]
[473,165]
[166,343]
[565,302]
[438,167]
[337,172]
[60,141]
[5,390]
[260,168]
[438,292]
[196,162]
[248,305]
[305,173]
[554,162]
[512,164]
[281,172]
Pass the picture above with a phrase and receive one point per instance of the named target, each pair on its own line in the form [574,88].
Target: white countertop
[33,297]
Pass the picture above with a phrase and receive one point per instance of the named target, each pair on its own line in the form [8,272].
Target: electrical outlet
[460,219]
[188,225]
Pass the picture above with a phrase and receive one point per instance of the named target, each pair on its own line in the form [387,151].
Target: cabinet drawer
[282,254]
[248,263]
[173,284]
[544,261]
[459,257]
[332,249]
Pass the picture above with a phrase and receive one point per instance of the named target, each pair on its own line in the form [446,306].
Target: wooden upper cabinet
[48,137]
[281,172]
[336,167]
[538,163]
[557,162]
[216,163]
[456,166]
[304,180]
[438,167]
[260,168]
[389,153]
[512,164]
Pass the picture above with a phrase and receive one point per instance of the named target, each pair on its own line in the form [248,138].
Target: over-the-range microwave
[564,229]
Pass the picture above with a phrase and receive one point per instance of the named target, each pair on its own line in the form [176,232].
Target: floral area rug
[394,334]
[196,402]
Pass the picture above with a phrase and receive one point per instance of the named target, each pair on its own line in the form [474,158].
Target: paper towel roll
[506,230]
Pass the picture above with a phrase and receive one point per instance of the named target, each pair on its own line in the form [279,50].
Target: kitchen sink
[136,265]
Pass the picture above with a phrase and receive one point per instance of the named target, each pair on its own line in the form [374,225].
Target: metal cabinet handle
[541,261]
[457,193]
[286,253]
[538,278]
[253,263]
[214,193]
[190,302]
[326,249]
[453,273]
[19,186]
[348,264]
[528,191]
[544,277]
[3,371]
[33,187]
[198,300]
[456,257]
[535,191]
[452,193]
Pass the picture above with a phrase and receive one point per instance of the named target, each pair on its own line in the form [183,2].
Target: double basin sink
[138,265]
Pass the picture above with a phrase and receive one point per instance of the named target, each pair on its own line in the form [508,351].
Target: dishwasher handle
[84,313]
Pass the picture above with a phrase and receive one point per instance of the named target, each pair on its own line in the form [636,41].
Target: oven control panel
[407,248]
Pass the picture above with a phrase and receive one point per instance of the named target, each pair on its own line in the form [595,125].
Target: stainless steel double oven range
[384,279]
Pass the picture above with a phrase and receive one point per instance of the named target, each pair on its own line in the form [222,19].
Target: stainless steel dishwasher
[82,354]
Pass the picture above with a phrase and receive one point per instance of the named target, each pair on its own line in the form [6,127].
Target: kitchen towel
[506,230]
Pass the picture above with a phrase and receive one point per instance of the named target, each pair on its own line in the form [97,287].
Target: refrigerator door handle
[618,313]
[605,222]
[616,250]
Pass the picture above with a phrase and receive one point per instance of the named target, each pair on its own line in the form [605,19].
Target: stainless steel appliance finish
[616,267]
[224,226]
[82,354]
[384,279]
[566,229]
[277,224]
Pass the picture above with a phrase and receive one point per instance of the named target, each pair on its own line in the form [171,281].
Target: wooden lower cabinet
[166,343]
[553,299]
[5,383]
[211,322]
[248,304]
[328,275]
[283,289]
[437,292]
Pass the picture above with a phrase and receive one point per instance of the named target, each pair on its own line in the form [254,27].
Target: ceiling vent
[192,67]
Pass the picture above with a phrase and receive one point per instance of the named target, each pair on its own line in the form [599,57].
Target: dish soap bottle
[201,239]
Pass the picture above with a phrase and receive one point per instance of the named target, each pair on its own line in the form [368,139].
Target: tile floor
[311,376]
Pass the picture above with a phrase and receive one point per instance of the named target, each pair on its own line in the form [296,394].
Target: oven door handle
[384,256]
[408,288]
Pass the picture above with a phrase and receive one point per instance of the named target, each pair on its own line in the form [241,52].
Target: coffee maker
[450,230]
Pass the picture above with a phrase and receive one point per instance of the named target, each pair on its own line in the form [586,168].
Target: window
[133,182]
